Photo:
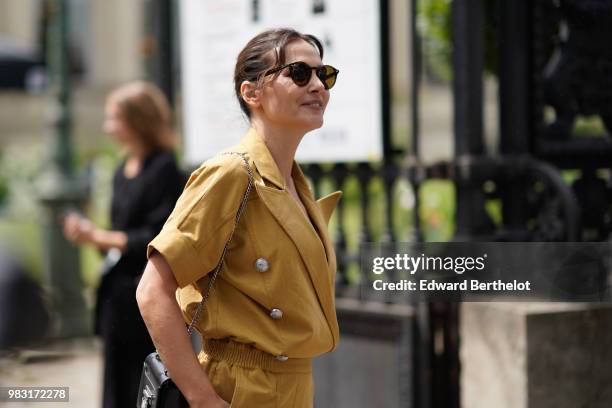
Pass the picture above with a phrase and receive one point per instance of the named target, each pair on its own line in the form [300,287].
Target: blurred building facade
[110,43]
[106,35]
[106,38]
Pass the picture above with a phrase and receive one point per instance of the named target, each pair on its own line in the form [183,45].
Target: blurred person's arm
[163,317]
[82,231]
[164,183]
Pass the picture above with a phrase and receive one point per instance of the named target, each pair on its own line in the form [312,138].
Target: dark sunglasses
[300,72]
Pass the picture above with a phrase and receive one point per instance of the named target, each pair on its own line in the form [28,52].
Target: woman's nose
[315,84]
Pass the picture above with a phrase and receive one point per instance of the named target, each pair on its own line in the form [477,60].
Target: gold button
[282,357]
[261,264]
[276,314]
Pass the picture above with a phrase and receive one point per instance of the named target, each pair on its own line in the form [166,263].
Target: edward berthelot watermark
[452,264]
[487,271]
[473,285]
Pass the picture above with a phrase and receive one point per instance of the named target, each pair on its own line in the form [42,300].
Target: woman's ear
[250,94]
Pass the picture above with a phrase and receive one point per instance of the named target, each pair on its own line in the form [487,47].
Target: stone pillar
[536,355]
[58,188]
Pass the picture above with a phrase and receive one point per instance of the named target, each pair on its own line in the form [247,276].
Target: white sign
[215,31]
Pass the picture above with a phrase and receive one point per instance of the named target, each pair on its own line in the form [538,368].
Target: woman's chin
[313,124]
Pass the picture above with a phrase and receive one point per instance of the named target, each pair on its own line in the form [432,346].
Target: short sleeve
[193,237]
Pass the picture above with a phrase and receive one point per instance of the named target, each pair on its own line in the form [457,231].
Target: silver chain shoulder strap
[215,272]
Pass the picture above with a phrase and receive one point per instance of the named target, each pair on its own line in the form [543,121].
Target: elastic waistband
[247,356]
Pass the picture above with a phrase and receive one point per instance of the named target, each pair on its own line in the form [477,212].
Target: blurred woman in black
[145,188]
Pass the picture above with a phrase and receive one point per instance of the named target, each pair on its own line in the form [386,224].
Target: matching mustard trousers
[250,378]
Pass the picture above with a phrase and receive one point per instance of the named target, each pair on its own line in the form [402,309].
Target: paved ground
[76,364]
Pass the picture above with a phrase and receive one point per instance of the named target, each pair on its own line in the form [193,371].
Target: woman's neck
[282,143]
[136,155]
[137,151]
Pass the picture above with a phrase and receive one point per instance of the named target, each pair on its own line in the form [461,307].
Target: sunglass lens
[300,73]
[327,74]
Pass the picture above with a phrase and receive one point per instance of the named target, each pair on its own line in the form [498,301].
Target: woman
[272,308]
[145,188]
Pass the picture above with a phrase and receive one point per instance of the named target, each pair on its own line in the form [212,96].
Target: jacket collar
[264,162]
[267,168]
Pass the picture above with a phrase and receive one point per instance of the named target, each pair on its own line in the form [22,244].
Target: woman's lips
[318,105]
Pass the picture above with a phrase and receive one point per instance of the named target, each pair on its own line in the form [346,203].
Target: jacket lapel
[312,251]
[328,204]
[314,212]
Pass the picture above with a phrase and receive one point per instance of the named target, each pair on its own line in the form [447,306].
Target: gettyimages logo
[425,263]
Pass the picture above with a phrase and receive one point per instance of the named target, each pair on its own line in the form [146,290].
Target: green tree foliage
[435,27]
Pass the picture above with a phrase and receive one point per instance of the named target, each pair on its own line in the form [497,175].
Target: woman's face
[296,107]
[115,125]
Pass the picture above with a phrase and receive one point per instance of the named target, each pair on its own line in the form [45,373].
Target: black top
[140,206]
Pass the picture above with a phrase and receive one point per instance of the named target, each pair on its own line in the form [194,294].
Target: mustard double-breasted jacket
[275,290]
